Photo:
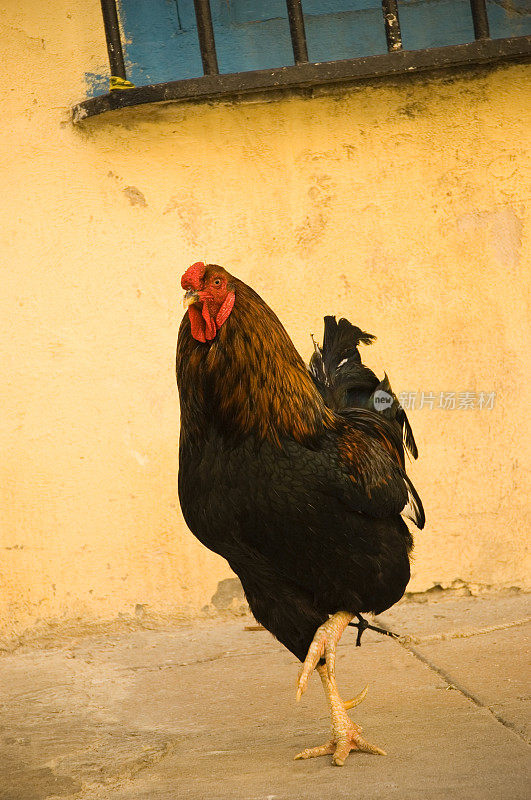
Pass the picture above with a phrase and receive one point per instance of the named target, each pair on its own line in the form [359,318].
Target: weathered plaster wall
[400,206]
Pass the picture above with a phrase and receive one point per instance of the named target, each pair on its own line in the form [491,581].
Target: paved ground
[208,711]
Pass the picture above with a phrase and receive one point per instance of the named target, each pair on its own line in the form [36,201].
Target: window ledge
[402,62]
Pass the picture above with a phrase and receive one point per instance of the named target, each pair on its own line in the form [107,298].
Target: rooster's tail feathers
[345,382]
[340,343]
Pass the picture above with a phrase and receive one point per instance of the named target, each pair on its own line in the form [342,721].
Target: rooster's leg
[345,734]
[324,644]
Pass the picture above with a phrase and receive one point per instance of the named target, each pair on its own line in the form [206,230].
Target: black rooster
[293,476]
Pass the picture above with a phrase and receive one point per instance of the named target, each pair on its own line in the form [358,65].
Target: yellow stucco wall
[400,206]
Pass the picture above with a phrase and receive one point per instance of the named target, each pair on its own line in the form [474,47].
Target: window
[252,44]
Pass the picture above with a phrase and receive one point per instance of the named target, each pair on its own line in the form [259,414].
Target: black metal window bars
[302,73]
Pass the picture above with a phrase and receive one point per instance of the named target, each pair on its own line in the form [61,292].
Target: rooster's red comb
[192,277]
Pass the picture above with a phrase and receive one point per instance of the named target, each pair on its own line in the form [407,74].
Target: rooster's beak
[190,298]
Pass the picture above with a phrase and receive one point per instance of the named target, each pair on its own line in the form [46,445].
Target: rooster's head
[209,298]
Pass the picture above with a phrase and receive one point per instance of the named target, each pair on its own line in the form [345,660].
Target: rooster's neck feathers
[250,380]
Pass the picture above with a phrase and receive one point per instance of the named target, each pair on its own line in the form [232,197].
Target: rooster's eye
[217,282]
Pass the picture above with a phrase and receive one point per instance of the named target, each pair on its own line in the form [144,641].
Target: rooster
[291,475]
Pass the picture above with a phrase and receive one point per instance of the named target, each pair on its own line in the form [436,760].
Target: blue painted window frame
[161,43]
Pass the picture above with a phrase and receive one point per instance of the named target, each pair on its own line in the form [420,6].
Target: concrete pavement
[208,711]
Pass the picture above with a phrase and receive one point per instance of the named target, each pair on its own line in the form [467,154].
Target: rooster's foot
[343,741]
[346,735]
